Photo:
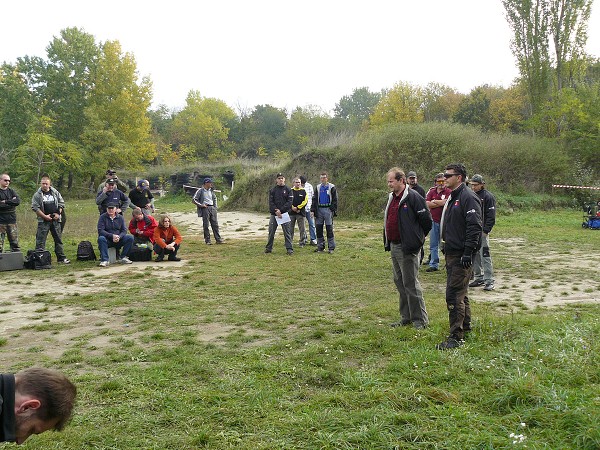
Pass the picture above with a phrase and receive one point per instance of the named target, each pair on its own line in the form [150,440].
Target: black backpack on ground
[85,251]
[38,259]
[138,253]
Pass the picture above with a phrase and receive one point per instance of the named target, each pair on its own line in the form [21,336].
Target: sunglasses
[450,175]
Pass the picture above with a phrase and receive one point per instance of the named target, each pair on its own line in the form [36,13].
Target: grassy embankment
[238,349]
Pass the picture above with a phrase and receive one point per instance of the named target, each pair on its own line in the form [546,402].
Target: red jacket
[164,236]
[146,225]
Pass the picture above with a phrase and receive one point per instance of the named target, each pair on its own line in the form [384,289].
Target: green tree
[202,126]
[305,123]
[440,102]
[17,109]
[475,109]
[356,108]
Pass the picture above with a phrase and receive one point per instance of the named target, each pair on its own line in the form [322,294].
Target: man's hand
[466,261]
[278,213]
[116,238]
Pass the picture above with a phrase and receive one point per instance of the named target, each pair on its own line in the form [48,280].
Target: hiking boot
[174,258]
[489,287]
[103,264]
[159,258]
[432,269]
[419,326]
[125,260]
[476,283]
[450,343]
[319,250]
[290,252]
[209,243]
[268,250]
[331,250]
[400,324]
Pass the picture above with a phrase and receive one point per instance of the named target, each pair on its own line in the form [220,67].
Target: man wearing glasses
[9,200]
[436,198]
[460,230]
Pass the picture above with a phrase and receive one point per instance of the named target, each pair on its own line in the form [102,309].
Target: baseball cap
[143,183]
[412,174]
[279,175]
[477,179]
[110,172]
[112,205]
[111,181]
[207,180]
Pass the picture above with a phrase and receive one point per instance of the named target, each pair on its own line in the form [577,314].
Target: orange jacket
[164,236]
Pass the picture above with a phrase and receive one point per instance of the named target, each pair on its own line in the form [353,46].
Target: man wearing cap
[112,232]
[206,207]
[460,231]
[141,197]
[9,200]
[483,268]
[280,203]
[413,184]
[436,198]
[110,173]
[110,194]
[48,205]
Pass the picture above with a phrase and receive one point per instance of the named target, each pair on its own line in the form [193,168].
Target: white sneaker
[103,264]
[125,260]
[65,261]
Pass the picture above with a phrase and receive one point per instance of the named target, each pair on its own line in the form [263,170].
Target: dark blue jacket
[107,227]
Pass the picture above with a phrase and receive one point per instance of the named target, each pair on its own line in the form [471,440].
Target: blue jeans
[434,245]
[311,226]
[104,244]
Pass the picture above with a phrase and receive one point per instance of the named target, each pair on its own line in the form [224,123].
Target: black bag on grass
[85,251]
[38,259]
[140,253]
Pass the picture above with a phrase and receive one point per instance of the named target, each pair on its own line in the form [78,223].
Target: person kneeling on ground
[166,239]
[142,227]
[112,232]
[33,401]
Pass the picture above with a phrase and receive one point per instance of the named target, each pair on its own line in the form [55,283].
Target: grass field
[233,348]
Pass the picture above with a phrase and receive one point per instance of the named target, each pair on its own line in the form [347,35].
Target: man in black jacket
[407,221]
[280,203]
[33,401]
[482,264]
[460,231]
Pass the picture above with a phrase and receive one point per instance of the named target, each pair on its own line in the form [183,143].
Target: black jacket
[488,209]
[461,222]
[280,197]
[7,408]
[414,221]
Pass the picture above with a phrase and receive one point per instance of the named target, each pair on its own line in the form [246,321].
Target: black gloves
[466,261]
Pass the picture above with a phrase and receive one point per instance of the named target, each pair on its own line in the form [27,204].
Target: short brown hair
[54,390]
[398,173]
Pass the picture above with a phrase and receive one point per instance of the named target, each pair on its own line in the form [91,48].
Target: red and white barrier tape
[575,187]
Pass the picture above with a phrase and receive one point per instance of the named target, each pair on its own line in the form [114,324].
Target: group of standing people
[289,206]
[460,220]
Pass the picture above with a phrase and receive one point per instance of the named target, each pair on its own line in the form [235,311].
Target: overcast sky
[286,53]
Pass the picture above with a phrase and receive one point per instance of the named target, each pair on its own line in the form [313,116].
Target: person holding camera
[49,205]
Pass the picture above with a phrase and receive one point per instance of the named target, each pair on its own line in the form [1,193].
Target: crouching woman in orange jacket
[167,239]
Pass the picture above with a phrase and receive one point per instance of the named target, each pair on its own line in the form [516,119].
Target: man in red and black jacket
[460,230]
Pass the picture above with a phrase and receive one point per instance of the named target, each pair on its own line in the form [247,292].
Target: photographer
[49,205]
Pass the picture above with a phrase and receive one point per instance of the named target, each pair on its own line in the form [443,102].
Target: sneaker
[476,283]
[489,287]
[432,269]
[319,250]
[268,250]
[64,261]
[220,242]
[159,258]
[290,252]
[125,260]
[450,343]
[103,264]
[419,326]
[400,324]
[301,245]
[331,250]
[313,243]
[209,243]
[174,258]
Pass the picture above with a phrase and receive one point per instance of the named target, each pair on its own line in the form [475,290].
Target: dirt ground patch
[60,328]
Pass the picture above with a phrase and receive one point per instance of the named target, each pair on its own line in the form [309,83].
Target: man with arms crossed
[406,224]
[482,265]
[460,230]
